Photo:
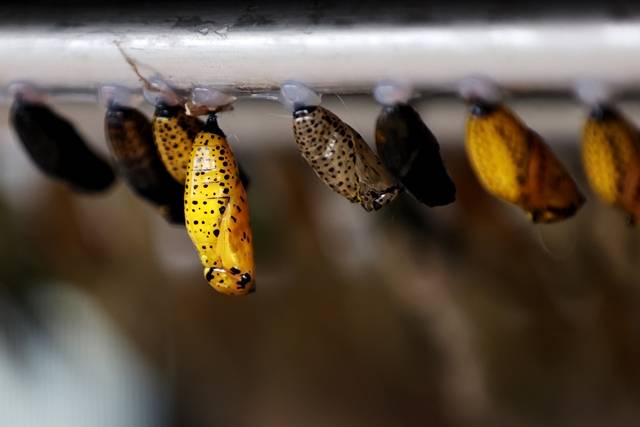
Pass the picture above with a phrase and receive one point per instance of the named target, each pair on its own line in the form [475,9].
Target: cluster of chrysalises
[186,168]
[513,163]
[611,151]
[175,161]
[408,153]
[194,157]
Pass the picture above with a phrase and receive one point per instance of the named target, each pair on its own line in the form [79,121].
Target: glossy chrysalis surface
[57,149]
[411,152]
[513,163]
[217,213]
[611,159]
[173,133]
[342,159]
[130,138]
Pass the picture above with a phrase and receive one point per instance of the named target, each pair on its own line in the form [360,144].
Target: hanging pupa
[173,130]
[130,138]
[216,206]
[336,152]
[611,158]
[408,149]
[512,162]
[54,145]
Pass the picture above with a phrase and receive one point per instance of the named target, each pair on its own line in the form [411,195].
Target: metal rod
[519,56]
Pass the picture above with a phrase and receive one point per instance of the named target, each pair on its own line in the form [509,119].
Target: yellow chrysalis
[514,164]
[217,213]
[173,134]
[611,159]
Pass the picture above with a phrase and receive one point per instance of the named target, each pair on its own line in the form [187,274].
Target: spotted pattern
[173,133]
[342,159]
[129,135]
[217,213]
[514,164]
[611,159]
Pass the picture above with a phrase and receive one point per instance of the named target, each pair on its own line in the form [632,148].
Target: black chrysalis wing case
[57,149]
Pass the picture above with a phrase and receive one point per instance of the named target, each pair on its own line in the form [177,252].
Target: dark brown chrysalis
[130,138]
[411,152]
[57,149]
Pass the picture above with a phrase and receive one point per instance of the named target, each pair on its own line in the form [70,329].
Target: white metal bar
[521,55]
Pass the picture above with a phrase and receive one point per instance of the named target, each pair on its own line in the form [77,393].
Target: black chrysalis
[57,149]
[411,152]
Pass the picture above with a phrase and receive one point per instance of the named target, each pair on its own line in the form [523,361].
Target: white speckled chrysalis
[336,152]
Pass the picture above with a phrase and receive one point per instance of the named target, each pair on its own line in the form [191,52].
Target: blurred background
[464,315]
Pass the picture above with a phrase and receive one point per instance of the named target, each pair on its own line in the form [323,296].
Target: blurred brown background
[465,315]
